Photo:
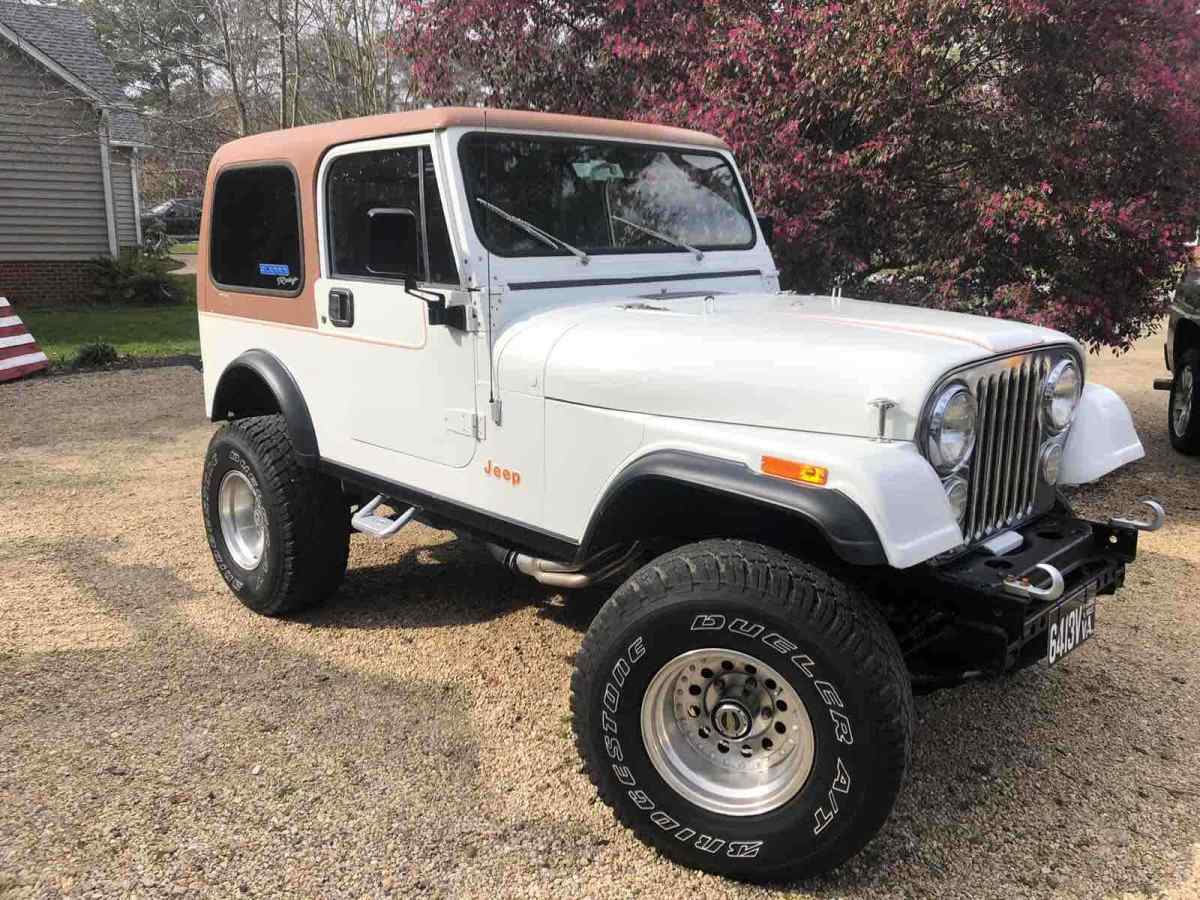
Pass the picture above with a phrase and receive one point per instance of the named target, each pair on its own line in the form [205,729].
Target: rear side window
[386,218]
[256,230]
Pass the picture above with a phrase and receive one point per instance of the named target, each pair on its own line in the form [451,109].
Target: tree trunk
[281,24]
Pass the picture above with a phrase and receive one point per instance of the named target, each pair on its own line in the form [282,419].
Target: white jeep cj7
[564,337]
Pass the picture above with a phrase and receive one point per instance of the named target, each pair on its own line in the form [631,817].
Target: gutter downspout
[135,177]
[106,171]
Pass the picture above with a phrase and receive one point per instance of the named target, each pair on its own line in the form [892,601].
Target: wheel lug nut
[766,712]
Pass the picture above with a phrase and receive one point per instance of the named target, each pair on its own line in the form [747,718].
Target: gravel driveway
[413,736]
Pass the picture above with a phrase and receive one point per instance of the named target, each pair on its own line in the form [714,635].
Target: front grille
[1003,471]
[1004,475]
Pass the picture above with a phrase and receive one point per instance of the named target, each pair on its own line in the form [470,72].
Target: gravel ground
[413,736]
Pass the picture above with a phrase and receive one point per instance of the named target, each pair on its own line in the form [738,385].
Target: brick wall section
[46,282]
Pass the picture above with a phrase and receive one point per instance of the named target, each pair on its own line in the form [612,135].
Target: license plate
[1071,623]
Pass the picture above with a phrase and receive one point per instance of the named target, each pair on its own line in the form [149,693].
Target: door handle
[341,308]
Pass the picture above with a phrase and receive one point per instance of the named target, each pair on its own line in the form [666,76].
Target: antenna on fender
[493,400]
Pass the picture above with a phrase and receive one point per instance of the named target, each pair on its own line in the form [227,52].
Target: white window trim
[110,213]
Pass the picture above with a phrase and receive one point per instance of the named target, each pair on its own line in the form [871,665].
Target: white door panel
[402,377]
[408,386]
[383,313]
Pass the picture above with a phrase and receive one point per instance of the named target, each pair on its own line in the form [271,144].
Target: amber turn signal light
[795,471]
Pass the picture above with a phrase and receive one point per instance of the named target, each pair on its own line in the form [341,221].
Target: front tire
[1183,419]
[279,533]
[743,712]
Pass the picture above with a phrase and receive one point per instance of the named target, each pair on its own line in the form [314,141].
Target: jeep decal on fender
[510,475]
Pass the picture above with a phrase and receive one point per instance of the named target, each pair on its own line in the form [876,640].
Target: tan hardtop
[304,145]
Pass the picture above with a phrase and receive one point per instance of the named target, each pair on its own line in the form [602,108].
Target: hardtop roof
[304,145]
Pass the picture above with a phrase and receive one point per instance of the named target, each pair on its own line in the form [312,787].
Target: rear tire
[676,701]
[279,533]
[1183,418]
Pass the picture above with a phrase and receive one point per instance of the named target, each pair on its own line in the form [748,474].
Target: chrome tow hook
[1023,587]
[1158,515]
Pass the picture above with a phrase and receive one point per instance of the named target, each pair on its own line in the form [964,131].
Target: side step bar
[381,527]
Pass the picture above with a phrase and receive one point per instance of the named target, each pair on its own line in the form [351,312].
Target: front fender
[889,483]
[1102,438]
[836,517]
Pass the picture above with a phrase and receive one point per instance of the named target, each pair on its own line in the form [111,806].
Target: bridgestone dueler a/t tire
[307,516]
[841,659]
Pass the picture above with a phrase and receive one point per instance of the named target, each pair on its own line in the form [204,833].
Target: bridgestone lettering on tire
[304,519]
[716,634]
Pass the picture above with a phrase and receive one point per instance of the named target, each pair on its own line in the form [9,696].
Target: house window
[386,218]
[256,230]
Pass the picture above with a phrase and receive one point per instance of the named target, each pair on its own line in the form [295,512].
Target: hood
[801,363]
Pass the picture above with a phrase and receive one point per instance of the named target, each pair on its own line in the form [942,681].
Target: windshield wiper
[667,239]
[531,229]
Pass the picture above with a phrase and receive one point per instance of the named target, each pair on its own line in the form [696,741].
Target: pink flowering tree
[1034,159]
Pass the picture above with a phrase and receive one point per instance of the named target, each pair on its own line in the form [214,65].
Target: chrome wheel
[1181,407]
[243,520]
[727,732]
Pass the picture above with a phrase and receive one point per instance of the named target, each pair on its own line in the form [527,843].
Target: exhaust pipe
[565,575]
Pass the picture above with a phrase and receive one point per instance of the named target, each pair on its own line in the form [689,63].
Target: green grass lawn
[189,247]
[133,330]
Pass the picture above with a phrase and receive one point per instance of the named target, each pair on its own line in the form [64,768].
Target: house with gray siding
[69,155]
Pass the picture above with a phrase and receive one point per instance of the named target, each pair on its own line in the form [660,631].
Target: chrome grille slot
[1003,473]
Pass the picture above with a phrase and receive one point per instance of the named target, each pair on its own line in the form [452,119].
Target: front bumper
[989,616]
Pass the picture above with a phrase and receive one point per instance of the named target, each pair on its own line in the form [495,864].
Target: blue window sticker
[273,269]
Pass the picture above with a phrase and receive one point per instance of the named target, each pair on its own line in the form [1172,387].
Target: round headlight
[952,428]
[1060,395]
[956,493]
[1052,455]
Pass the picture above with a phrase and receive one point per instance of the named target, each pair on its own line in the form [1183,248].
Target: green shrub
[133,278]
[95,355]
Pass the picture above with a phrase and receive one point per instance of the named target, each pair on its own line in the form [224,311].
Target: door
[406,375]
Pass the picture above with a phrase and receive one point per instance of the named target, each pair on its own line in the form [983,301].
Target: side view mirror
[393,242]
[767,225]
[439,312]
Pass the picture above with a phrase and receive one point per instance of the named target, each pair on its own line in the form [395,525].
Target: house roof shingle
[64,34]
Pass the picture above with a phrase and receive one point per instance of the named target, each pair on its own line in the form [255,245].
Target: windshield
[601,197]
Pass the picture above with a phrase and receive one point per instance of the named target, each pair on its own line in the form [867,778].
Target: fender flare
[843,524]
[1102,438]
[262,366]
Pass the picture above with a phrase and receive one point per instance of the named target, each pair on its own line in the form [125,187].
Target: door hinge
[465,421]
[474,325]
[469,303]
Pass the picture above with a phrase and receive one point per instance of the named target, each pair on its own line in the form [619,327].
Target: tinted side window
[368,196]
[256,230]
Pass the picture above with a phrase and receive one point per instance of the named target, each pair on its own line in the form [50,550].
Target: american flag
[19,353]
